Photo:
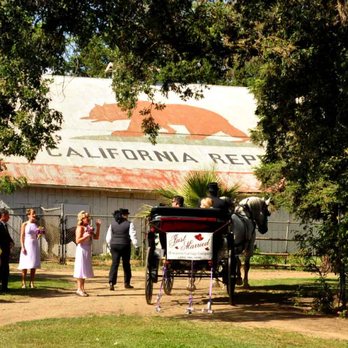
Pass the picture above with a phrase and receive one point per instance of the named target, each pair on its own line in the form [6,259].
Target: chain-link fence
[50,219]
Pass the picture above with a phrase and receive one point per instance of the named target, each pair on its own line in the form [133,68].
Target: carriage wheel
[231,276]
[148,276]
[168,282]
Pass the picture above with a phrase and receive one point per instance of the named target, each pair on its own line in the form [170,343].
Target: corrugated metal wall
[282,229]
[56,202]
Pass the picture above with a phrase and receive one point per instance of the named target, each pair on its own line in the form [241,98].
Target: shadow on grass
[253,313]
[46,285]
[260,304]
[278,294]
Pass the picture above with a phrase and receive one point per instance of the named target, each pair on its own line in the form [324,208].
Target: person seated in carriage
[206,202]
[222,203]
[213,191]
[178,201]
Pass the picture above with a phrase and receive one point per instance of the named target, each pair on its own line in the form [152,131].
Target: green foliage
[301,96]
[27,123]
[9,184]
[267,260]
[194,188]
[328,241]
[90,60]
[323,302]
[27,50]
[343,314]
[143,211]
[300,86]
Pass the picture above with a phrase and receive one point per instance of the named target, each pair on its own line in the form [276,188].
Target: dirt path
[263,311]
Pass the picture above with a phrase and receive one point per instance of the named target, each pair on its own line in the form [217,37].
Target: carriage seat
[160,211]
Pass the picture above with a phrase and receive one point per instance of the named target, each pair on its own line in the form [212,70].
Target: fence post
[287,236]
[62,252]
[143,240]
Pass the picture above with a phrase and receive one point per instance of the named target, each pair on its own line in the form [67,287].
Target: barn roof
[102,148]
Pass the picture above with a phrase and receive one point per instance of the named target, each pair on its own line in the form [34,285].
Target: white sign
[240,159]
[189,245]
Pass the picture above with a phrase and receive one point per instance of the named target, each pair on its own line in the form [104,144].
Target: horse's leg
[239,274]
[246,272]
[248,253]
[191,279]
[191,283]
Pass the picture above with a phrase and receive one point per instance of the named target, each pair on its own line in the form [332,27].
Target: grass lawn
[134,331]
[137,331]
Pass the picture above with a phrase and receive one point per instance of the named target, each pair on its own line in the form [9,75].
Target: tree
[35,41]
[299,77]
[302,94]
[292,54]
[193,189]
[149,42]
[90,60]
[27,123]
[176,44]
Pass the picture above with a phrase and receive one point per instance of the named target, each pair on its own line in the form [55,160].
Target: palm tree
[193,189]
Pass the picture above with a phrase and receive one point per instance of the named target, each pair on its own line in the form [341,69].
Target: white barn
[104,161]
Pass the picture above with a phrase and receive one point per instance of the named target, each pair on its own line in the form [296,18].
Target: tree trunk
[342,299]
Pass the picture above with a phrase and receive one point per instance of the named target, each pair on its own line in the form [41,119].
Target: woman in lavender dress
[30,252]
[83,258]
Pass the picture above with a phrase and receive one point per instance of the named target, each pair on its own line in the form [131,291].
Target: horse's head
[257,210]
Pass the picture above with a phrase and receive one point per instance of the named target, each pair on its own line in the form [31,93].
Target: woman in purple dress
[30,251]
[84,235]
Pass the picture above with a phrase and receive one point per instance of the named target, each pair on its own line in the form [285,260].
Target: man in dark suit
[6,243]
[213,189]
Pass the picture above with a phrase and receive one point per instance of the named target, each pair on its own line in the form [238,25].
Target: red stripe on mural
[116,178]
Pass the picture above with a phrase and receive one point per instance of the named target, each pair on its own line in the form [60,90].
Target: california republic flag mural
[196,122]
[101,147]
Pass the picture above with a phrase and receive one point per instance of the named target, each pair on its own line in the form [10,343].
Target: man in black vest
[119,236]
[6,243]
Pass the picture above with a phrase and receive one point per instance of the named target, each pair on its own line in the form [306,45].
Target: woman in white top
[84,235]
[30,250]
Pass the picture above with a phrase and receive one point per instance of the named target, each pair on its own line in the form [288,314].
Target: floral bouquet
[40,231]
[90,230]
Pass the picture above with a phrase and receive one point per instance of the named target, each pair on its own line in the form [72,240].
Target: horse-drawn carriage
[189,242]
[195,242]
